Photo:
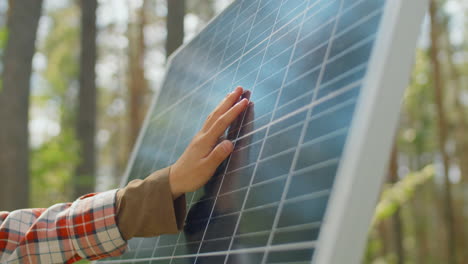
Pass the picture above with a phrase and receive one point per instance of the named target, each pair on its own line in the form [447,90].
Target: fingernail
[226,147]
[242,101]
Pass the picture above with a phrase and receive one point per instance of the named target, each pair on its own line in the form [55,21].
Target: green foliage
[3,37]
[417,133]
[53,163]
[52,166]
[3,42]
[396,195]
[61,48]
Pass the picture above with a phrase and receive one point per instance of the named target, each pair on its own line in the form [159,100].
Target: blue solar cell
[305,63]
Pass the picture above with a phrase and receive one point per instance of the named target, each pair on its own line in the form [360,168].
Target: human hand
[204,154]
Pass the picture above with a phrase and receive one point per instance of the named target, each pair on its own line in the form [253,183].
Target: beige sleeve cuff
[146,207]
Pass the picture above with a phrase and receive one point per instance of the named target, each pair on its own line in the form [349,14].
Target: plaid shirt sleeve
[63,233]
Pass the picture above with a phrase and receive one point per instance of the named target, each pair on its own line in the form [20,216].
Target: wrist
[173,184]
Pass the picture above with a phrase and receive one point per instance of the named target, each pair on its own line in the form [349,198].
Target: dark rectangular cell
[236,46]
[237,179]
[343,96]
[247,81]
[194,230]
[229,203]
[197,196]
[251,139]
[266,104]
[291,11]
[313,180]
[247,258]
[253,52]
[306,62]
[221,227]
[345,81]
[312,38]
[300,86]
[321,12]
[365,28]
[215,245]
[321,151]
[268,84]
[168,240]
[258,123]
[355,11]
[257,220]
[247,10]
[164,251]
[251,240]
[274,167]
[333,120]
[263,25]
[204,213]
[280,42]
[294,105]
[148,243]
[144,253]
[183,261]
[346,62]
[291,256]
[282,141]
[303,212]
[288,122]
[250,65]
[275,64]
[231,58]
[187,249]
[296,235]
[259,34]
[244,156]
[267,193]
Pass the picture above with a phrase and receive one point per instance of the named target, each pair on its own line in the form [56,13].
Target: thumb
[220,153]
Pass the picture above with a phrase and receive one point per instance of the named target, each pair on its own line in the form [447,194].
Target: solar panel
[326,79]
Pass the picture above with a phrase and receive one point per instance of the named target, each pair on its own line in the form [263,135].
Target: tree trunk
[138,83]
[174,25]
[461,126]
[14,104]
[84,179]
[420,213]
[442,137]
[396,218]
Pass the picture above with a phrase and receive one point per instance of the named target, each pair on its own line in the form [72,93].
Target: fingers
[224,106]
[220,153]
[223,122]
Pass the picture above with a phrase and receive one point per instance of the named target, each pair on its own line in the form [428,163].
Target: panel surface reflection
[304,63]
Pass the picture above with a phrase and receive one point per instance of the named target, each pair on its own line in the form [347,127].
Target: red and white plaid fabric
[63,233]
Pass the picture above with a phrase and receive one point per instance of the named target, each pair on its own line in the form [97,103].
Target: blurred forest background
[77,77]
